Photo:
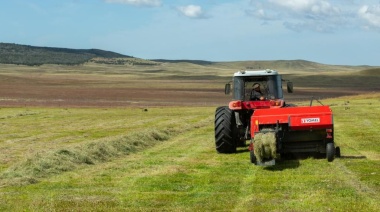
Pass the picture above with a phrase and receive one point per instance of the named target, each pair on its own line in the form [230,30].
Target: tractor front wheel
[225,130]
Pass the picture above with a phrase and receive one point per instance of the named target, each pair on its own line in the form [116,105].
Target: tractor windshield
[270,87]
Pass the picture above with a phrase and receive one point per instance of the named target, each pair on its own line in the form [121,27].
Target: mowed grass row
[37,143]
[184,172]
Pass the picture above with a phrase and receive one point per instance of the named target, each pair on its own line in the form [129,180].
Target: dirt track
[116,97]
[53,96]
[87,92]
[70,90]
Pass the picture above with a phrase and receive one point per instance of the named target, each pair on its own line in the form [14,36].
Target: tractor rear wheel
[225,130]
[330,152]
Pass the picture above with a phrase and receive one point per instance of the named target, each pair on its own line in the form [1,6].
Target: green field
[164,159]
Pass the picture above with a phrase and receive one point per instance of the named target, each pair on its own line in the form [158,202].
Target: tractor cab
[257,89]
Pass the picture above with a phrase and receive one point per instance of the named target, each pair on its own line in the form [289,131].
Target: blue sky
[342,32]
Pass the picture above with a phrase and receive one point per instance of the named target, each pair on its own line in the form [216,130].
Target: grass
[27,130]
[181,171]
[43,165]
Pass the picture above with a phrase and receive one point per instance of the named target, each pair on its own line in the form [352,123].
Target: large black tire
[330,152]
[225,130]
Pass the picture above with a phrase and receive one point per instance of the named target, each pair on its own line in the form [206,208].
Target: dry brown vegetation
[168,83]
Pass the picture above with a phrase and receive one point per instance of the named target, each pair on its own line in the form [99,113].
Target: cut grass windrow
[46,164]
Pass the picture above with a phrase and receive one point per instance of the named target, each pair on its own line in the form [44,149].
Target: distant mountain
[198,62]
[283,65]
[371,72]
[32,55]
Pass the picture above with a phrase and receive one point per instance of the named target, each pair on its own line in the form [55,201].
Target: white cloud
[296,5]
[307,8]
[192,11]
[298,15]
[370,14]
[263,14]
[150,3]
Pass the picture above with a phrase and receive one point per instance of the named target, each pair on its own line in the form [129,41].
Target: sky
[339,32]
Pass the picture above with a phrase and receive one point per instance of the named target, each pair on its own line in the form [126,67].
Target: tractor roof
[267,72]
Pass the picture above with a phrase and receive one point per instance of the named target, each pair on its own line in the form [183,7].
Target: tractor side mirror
[227,89]
[289,86]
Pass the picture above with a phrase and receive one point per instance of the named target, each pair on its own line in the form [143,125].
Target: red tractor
[259,113]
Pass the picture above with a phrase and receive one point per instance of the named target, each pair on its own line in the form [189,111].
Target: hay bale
[265,146]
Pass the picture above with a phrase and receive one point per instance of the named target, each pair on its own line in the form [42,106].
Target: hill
[197,62]
[371,72]
[32,55]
